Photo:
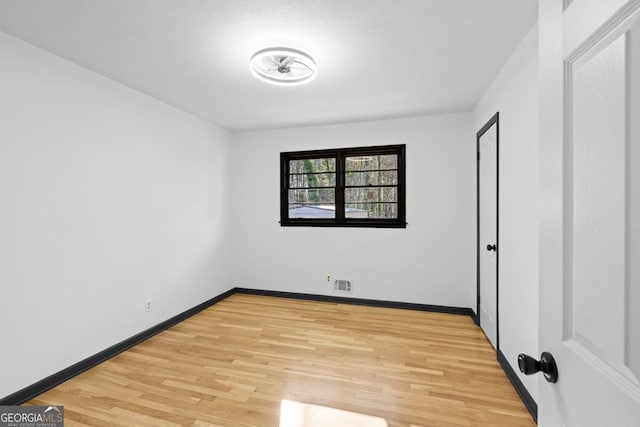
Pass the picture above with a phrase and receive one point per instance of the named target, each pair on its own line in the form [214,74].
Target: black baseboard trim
[475,317]
[359,301]
[35,389]
[526,398]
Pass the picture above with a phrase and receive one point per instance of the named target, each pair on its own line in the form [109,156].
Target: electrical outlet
[328,278]
[147,305]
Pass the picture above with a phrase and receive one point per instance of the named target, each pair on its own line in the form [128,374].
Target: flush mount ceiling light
[283,66]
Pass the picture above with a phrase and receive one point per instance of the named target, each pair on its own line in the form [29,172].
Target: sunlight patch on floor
[296,414]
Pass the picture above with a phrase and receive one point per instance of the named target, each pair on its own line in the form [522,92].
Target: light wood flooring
[233,364]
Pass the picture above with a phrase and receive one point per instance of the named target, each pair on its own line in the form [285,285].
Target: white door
[589,230]
[487,140]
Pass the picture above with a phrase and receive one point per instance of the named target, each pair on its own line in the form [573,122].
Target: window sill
[348,224]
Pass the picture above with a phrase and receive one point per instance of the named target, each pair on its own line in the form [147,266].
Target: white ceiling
[376,58]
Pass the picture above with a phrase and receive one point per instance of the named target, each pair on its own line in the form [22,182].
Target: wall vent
[342,286]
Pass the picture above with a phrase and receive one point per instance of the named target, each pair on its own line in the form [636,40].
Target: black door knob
[491,248]
[547,365]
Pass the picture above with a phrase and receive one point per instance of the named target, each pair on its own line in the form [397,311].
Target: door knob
[491,248]
[547,365]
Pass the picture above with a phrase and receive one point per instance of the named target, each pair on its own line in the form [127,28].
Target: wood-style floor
[233,364]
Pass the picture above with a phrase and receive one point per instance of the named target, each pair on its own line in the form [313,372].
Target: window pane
[312,165]
[312,197]
[320,203]
[312,180]
[371,178]
[372,210]
[312,211]
[371,194]
[367,163]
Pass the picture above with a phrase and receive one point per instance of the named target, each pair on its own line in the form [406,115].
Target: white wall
[108,198]
[514,93]
[430,262]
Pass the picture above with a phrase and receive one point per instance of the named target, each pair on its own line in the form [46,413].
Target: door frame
[495,120]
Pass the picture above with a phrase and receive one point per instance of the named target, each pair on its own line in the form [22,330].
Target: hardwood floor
[234,363]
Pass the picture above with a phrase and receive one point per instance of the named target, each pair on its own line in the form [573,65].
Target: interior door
[589,229]
[487,144]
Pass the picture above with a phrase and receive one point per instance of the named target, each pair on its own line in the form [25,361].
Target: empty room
[311,213]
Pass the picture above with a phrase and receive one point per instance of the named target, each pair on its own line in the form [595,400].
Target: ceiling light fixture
[283,66]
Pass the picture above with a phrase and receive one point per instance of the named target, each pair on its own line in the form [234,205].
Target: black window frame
[340,154]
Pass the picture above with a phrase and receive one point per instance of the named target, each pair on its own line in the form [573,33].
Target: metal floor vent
[342,286]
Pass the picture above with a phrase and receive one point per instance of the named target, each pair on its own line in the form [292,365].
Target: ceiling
[376,58]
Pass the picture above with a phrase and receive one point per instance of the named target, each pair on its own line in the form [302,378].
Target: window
[349,187]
